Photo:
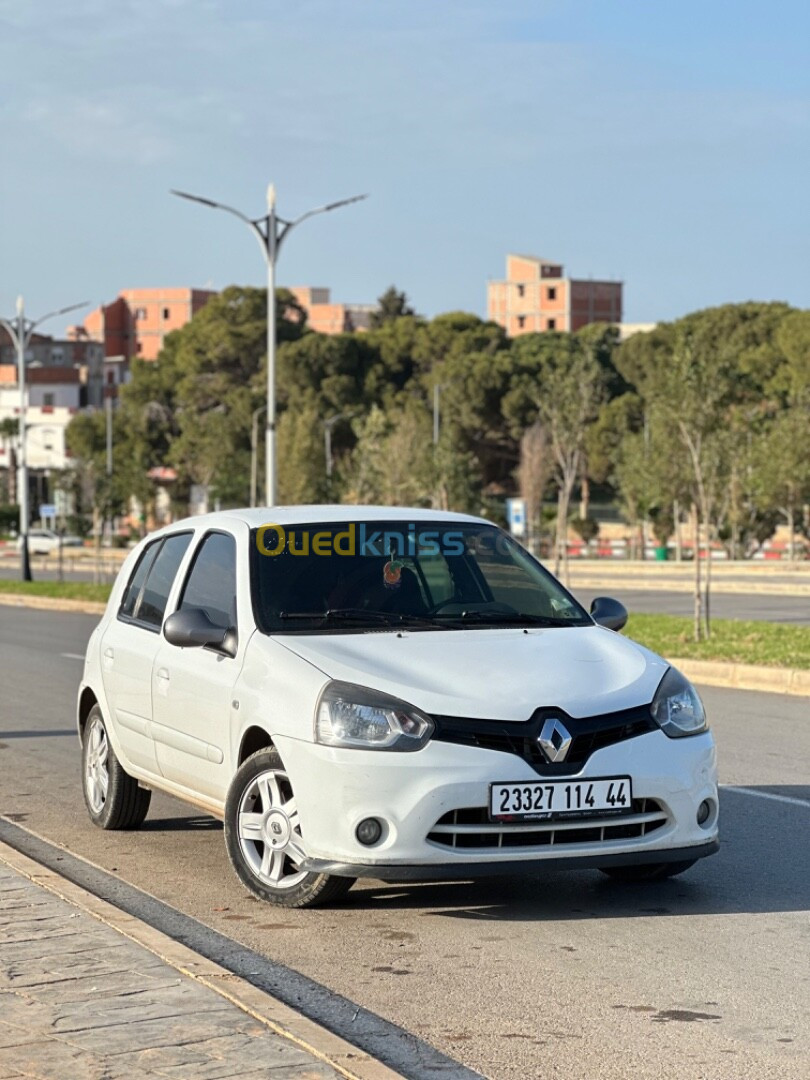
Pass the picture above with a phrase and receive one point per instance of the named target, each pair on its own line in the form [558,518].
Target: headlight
[354,716]
[676,707]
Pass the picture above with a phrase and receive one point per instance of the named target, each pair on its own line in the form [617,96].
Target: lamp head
[271,197]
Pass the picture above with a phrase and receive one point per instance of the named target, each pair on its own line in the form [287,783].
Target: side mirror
[191,628]
[609,613]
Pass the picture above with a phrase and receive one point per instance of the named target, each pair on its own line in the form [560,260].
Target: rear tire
[263,838]
[112,797]
[644,872]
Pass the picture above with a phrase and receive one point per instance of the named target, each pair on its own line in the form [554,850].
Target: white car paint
[177,717]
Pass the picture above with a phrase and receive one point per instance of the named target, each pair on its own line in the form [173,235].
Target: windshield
[328,578]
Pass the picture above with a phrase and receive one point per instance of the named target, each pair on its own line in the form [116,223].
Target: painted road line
[766,795]
[72,656]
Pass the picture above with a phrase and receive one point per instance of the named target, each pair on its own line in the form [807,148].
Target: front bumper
[451,872]
[336,788]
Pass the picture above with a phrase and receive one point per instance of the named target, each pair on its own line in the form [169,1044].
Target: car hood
[496,674]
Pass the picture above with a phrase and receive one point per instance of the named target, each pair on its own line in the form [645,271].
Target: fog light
[369,831]
[704,812]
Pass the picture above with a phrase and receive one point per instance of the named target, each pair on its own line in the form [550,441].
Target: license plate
[560,798]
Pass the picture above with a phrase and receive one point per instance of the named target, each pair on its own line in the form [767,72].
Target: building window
[140,313]
[521,321]
[551,324]
[551,293]
[166,313]
[139,346]
[48,400]
[521,290]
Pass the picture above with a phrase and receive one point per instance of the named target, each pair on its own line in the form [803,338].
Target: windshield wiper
[514,618]
[387,618]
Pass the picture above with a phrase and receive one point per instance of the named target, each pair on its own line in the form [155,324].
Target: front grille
[471,828]
[588,734]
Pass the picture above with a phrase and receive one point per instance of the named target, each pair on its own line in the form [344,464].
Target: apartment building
[536,296]
[54,355]
[328,318]
[136,323]
[53,397]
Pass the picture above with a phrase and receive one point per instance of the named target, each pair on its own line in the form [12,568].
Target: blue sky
[667,144]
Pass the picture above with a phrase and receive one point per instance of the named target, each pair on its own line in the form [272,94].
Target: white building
[53,397]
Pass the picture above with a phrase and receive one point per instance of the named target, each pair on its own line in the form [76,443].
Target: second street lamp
[21,330]
[270,230]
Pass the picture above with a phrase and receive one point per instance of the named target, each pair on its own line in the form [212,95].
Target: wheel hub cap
[277,829]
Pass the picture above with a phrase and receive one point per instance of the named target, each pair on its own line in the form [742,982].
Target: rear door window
[133,590]
[159,581]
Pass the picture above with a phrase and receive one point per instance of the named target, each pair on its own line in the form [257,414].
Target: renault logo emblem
[554,740]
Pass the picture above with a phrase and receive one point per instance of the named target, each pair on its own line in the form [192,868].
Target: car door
[193,688]
[129,644]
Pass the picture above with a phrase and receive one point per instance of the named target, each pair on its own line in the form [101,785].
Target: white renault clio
[397,694]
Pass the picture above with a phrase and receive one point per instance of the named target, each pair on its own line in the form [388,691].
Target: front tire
[263,837]
[644,872]
[113,798]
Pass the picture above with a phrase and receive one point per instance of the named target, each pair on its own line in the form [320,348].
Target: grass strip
[772,644]
[733,640]
[58,590]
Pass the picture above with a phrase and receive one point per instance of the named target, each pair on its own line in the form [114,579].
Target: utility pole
[270,230]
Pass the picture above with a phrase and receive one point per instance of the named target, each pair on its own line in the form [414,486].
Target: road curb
[52,603]
[771,680]
[351,1062]
[678,585]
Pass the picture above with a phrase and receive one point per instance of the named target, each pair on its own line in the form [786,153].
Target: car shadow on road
[38,734]
[195,823]
[763,866]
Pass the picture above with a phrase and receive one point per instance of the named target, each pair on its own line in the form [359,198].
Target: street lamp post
[270,230]
[21,335]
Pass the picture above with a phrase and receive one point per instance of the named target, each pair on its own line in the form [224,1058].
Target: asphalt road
[793,610]
[564,976]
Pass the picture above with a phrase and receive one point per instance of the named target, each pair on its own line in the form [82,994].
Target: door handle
[162,673]
[108,654]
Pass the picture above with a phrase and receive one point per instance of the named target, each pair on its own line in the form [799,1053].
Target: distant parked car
[44,541]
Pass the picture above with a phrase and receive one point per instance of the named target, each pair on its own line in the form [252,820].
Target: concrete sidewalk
[79,1000]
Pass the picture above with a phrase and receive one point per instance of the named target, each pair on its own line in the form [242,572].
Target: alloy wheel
[269,831]
[96,771]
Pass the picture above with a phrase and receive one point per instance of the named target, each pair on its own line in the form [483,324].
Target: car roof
[315,514]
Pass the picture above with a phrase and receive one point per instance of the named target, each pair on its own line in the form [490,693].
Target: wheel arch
[87,699]
[253,738]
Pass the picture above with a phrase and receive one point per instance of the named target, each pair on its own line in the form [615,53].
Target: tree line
[705,417]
